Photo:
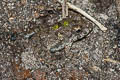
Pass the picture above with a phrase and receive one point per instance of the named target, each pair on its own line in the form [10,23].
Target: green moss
[65,24]
[55,27]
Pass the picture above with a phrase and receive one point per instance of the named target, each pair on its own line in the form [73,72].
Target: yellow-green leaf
[66,23]
[55,27]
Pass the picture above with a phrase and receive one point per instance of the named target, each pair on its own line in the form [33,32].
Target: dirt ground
[37,44]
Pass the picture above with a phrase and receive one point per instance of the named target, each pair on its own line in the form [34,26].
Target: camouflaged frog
[69,35]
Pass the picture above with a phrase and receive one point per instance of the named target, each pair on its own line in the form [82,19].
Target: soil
[37,44]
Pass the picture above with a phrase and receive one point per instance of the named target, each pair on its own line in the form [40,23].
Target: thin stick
[64,9]
[111,60]
[86,15]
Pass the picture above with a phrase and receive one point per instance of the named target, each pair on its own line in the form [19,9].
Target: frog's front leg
[57,47]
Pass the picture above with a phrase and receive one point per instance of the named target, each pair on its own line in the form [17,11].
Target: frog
[69,35]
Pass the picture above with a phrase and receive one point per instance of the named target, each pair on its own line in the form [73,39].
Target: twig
[86,15]
[111,60]
[64,9]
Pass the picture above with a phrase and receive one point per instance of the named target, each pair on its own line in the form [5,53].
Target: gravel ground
[35,44]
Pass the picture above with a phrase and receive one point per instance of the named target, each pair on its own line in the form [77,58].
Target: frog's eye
[77,29]
[50,11]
